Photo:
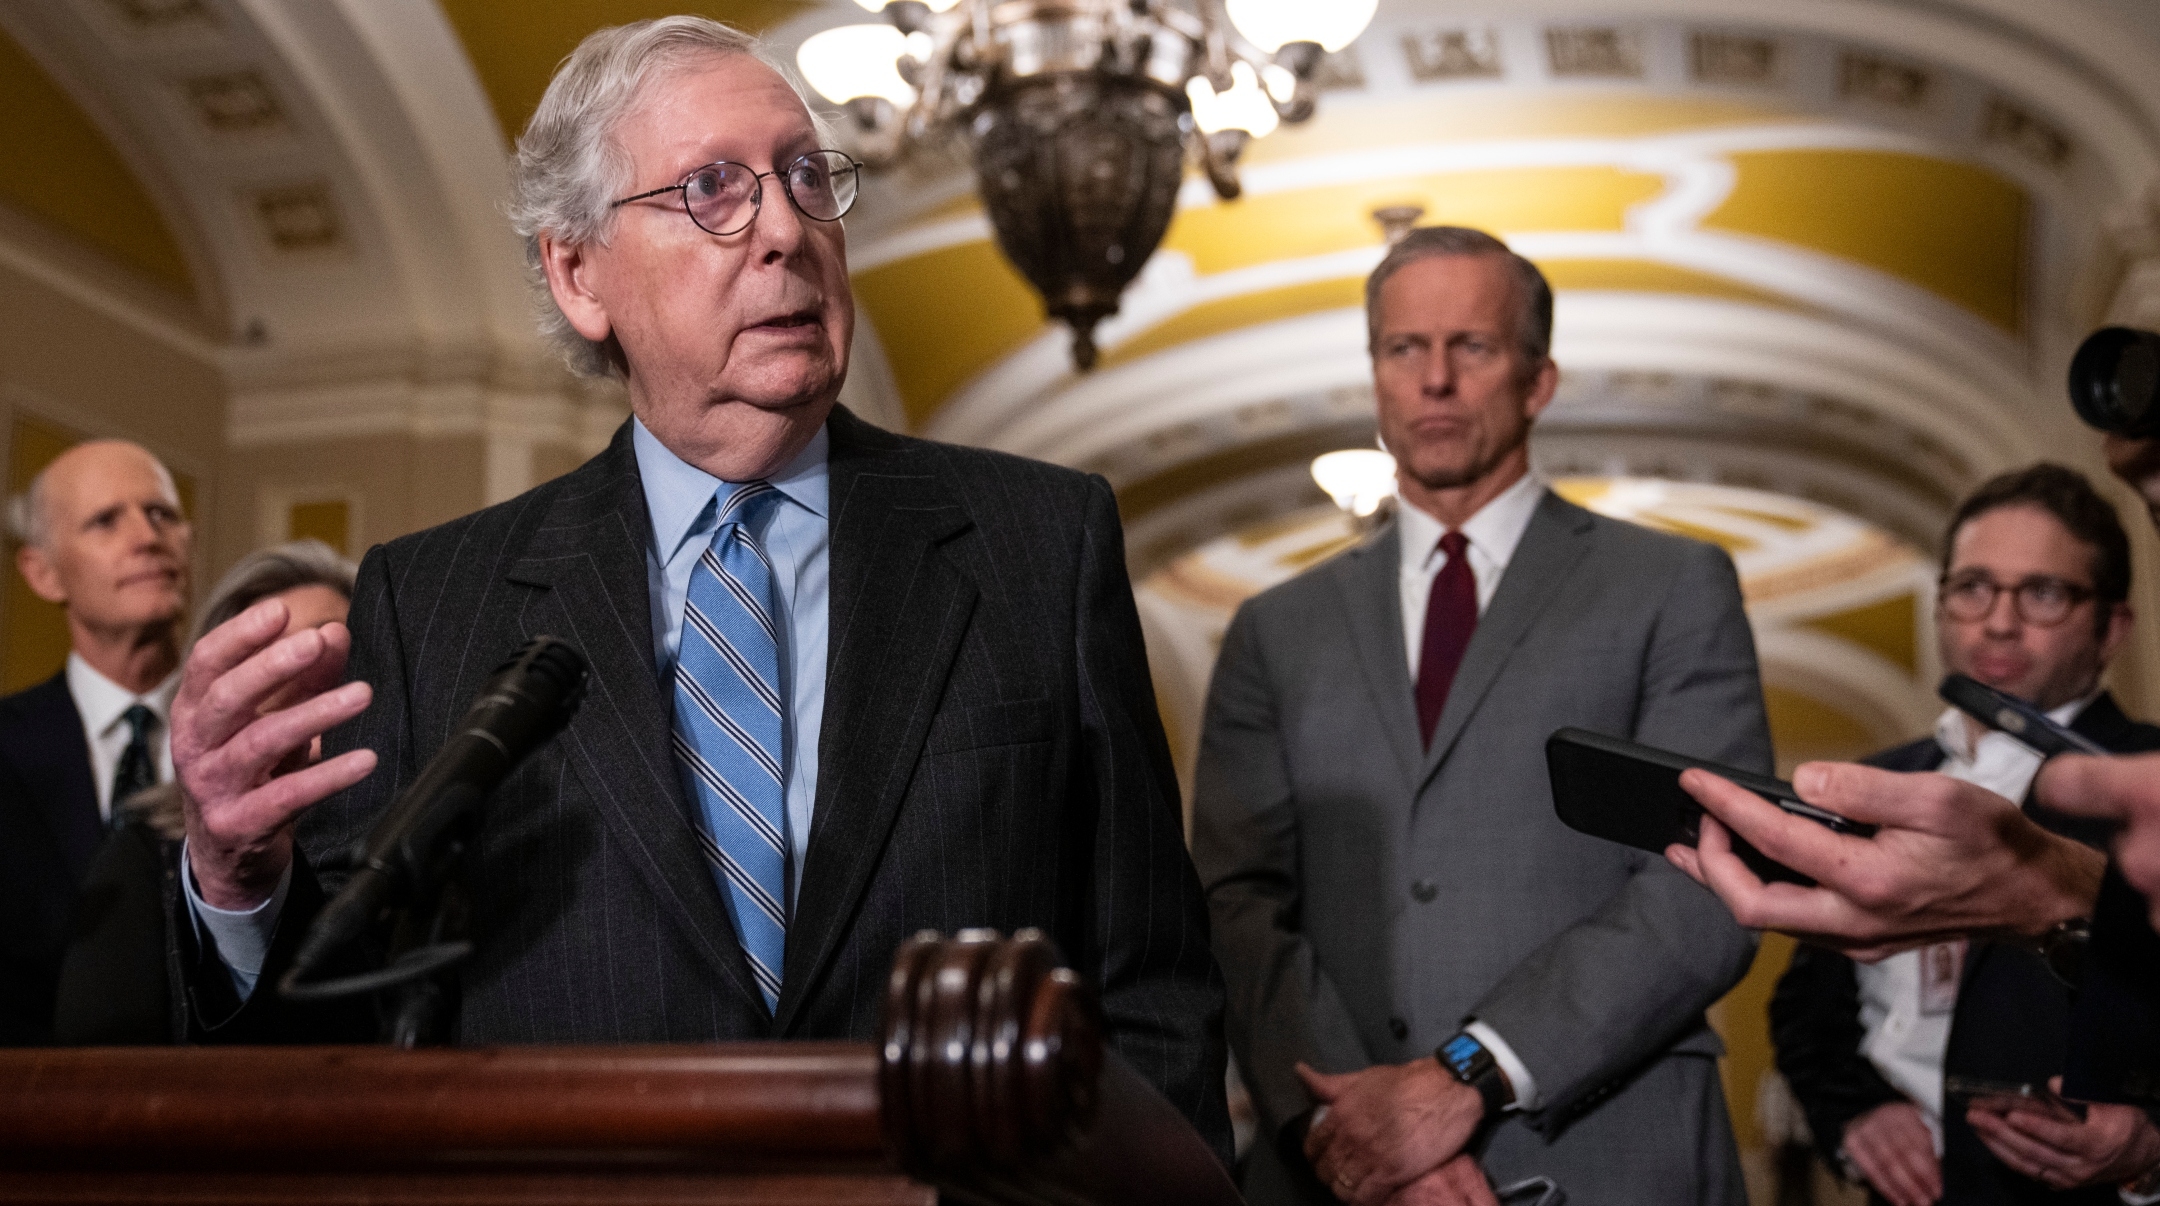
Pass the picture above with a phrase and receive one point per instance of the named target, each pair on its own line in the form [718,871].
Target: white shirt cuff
[241,938]
[1519,1078]
[2138,1199]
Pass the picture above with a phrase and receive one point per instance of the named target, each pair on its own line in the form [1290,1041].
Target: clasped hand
[1393,1135]
[253,702]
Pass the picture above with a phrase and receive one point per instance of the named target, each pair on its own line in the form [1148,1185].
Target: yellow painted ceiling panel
[1647,276]
[1236,313]
[1954,229]
[946,316]
[1890,628]
[515,48]
[1317,221]
[57,166]
[1804,728]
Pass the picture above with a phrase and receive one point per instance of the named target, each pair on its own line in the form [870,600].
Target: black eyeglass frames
[2039,600]
[723,198]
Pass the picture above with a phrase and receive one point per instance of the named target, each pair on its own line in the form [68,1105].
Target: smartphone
[1630,793]
[2003,1097]
[2009,714]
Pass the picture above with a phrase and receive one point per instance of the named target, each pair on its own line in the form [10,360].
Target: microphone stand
[411,878]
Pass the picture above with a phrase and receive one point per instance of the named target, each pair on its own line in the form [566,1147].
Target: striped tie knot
[745,503]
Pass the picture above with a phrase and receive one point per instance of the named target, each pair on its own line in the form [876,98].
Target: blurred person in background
[102,535]
[2035,574]
[115,987]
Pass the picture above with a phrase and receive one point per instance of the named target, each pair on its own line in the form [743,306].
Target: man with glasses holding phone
[845,686]
[2036,571]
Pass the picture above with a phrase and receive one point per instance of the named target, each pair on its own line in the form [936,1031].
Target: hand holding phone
[2006,1097]
[1630,793]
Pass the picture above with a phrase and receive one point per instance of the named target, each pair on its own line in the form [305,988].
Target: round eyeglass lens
[822,184]
[721,197]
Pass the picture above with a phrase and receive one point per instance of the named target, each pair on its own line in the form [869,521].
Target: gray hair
[273,571]
[569,165]
[26,514]
[1429,242]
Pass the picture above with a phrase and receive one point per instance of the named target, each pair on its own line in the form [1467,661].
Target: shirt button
[1399,1028]
[1424,890]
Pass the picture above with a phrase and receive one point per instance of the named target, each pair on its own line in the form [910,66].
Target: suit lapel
[1372,605]
[589,552]
[1557,538]
[899,611]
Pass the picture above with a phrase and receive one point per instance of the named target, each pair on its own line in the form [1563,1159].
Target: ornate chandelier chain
[1079,117]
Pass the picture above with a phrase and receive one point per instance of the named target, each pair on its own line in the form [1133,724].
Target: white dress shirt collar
[1493,531]
[1997,761]
[103,704]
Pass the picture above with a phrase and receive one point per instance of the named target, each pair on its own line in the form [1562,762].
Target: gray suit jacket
[991,756]
[1369,895]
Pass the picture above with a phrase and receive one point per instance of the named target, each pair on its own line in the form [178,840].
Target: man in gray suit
[1374,825]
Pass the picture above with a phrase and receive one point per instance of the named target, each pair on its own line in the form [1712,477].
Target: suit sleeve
[1815,1028]
[1599,999]
[1245,840]
[1161,994]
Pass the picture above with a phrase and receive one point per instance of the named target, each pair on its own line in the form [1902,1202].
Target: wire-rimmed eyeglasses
[723,197]
[2039,600]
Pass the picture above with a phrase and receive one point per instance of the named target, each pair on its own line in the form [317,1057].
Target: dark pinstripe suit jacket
[991,756]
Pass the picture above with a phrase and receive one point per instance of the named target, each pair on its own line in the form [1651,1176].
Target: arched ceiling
[1893,213]
[514,47]
[57,166]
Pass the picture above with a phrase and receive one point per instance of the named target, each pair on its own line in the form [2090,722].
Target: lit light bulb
[936,6]
[856,60]
[1244,107]
[1269,24]
[1358,479]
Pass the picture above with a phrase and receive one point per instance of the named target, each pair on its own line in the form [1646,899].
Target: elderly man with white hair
[103,537]
[845,685]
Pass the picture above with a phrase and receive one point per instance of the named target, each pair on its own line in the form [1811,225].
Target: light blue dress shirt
[797,536]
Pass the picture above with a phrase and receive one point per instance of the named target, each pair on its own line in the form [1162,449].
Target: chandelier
[1080,116]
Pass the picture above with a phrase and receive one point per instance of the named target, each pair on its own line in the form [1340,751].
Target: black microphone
[525,702]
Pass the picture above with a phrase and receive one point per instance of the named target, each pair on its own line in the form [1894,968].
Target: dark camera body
[2115,381]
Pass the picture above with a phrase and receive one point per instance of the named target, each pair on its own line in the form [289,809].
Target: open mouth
[784,322]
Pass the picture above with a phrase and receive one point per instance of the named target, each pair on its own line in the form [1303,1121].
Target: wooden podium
[990,1084]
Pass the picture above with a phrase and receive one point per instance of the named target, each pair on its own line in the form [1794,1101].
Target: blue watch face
[1461,1050]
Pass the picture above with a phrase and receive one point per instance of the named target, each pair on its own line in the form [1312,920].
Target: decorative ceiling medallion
[1598,52]
[2009,125]
[1722,58]
[162,14]
[1340,71]
[298,217]
[237,102]
[1453,54]
[1870,78]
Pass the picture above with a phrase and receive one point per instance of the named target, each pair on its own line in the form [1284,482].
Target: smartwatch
[1468,1061]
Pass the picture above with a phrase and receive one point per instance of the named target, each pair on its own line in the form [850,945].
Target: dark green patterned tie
[137,771]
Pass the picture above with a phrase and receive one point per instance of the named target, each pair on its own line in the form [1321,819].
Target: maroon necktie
[1450,616]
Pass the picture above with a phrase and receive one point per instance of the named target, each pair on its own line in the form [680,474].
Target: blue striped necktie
[729,726]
